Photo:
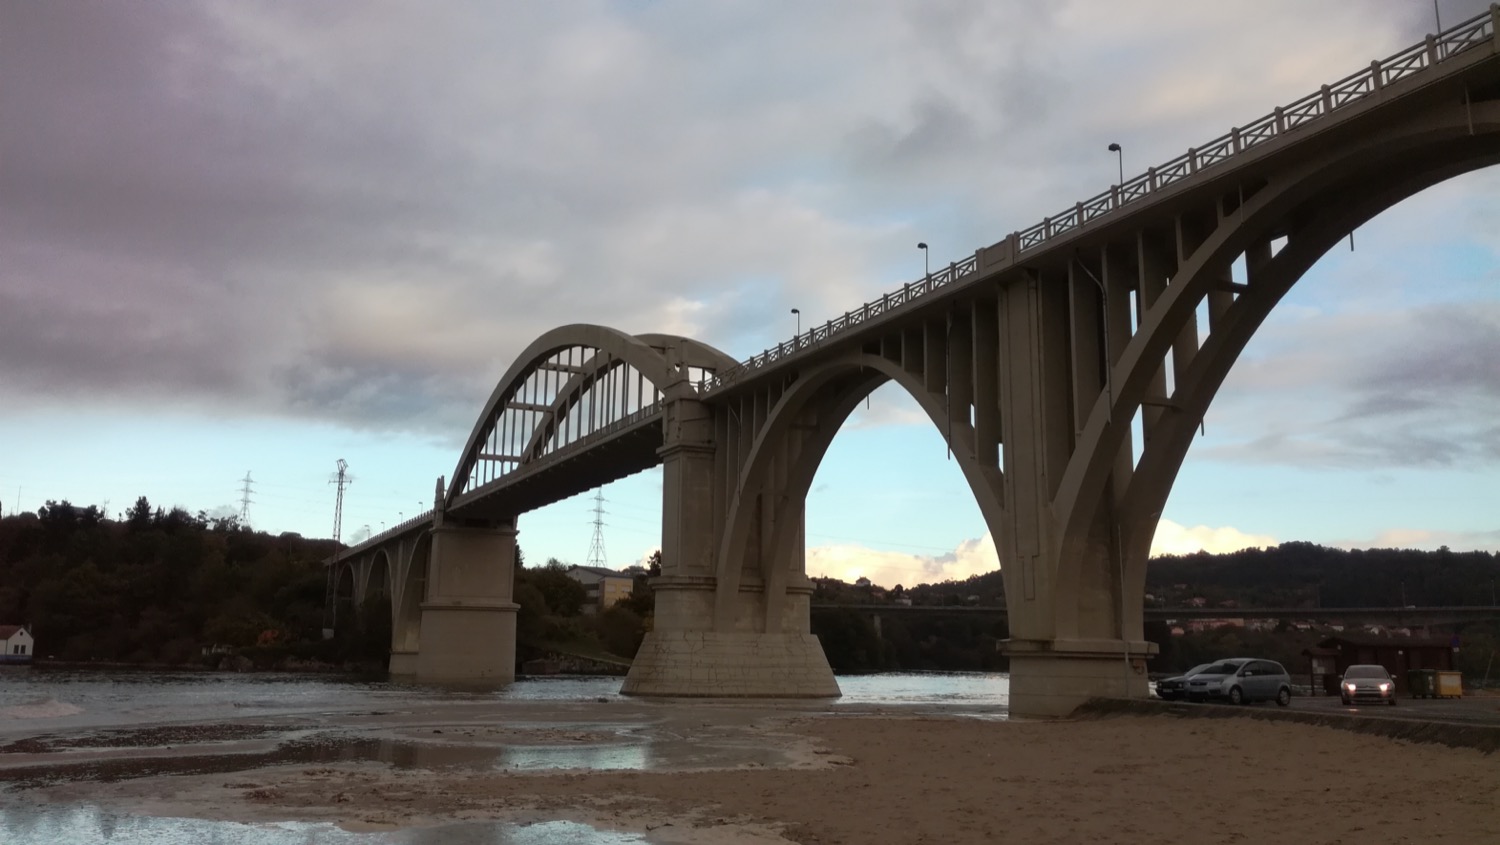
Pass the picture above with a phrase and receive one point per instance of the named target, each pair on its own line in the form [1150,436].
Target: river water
[69,709]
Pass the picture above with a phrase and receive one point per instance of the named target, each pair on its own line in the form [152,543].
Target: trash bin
[1422,683]
[1449,684]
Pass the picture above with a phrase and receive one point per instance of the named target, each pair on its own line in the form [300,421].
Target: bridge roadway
[1396,616]
[1068,366]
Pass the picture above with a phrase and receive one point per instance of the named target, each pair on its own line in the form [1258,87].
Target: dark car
[1171,689]
[1240,680]
[1367,682]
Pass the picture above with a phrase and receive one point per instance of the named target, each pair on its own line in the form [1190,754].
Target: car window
[1266,667]
[1221,669]
[1366,672]
[1277,668]
[1196,669]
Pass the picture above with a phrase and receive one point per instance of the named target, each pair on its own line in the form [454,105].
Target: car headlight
[1385,687]
[1349,687]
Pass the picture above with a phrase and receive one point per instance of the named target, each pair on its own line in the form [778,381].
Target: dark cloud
[360,212]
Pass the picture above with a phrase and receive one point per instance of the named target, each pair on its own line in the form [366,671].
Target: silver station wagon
[1240,680]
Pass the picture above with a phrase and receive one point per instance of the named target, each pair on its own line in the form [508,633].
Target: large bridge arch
[1313,207]
[784,459]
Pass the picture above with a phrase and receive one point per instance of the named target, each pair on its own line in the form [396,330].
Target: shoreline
[723,771]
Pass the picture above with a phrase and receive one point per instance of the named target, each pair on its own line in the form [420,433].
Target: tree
[564,595]
[139,515]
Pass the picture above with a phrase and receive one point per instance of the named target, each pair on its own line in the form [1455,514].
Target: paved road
[1470,710]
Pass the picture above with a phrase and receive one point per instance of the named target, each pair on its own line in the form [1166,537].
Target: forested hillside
[156,587]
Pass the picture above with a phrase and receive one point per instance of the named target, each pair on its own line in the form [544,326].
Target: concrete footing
[1049,679]
[403,663]
[471,642]
[710,664]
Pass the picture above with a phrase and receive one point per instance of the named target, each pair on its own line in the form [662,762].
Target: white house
[16,645]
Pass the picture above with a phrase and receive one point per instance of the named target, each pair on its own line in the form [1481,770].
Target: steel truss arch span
[1325,200]
[785,455]
[562,369]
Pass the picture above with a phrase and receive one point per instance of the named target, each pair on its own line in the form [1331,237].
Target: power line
[245,499]
[596,548]
[342,479]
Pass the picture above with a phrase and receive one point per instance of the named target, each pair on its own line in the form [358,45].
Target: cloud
[360,213]
[1174,539]
[1419,386]
[1430,540]
[849,562]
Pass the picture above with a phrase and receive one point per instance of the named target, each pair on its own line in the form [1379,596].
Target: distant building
[603,587]
[16,644]
[1397,654]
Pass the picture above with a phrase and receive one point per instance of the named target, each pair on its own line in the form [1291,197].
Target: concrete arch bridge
[1034,357]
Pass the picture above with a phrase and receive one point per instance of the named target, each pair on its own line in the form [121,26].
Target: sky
[256,238]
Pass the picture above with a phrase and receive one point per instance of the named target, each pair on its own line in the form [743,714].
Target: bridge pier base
[714,664]
[1050,678]
[468,619]
[681,657]
[403,663]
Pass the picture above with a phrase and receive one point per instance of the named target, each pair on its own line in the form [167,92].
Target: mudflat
[739,773]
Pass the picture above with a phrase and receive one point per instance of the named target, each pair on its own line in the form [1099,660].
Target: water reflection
[82,825]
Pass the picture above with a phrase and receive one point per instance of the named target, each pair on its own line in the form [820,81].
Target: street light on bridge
[926,269]
[1120,161]
[797,312]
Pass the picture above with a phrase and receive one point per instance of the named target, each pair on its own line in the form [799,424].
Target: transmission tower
[245,499]
[596,548]
[342,479]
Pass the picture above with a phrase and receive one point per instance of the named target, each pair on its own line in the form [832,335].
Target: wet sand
[735,773]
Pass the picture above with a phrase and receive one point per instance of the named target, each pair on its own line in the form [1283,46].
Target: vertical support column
[698,646]
[468,619]
[1062,593]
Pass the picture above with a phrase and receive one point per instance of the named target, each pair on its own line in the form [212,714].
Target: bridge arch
[1314,207]
[784,459]
[574,381]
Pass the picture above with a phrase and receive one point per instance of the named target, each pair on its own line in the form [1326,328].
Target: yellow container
[1449,684]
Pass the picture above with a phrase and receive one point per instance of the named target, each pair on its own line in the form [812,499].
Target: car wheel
[1344,701]
[1236,696]
[1283,697]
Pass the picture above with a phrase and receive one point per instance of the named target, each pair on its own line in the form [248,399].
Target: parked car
[1171,689]
[1367,682]
[1239,680]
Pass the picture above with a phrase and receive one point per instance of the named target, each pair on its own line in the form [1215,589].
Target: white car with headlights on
[1367,682]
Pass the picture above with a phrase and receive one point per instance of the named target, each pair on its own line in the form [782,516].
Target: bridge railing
[1327,100]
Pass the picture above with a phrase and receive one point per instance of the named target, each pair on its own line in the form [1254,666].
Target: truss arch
[572,382]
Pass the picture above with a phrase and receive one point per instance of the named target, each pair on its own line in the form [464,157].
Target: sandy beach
[731,773]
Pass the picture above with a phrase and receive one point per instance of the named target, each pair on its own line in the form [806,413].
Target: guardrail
[1327,100]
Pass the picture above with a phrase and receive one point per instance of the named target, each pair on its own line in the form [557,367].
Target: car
[1240,680]
[1367,682]
[1171,689]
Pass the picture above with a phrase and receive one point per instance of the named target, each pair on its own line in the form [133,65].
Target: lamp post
[797,312]
[926,271]
[1120,161]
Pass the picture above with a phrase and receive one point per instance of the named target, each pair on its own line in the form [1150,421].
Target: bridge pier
[766,650]
[1049,678]
[468,619]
